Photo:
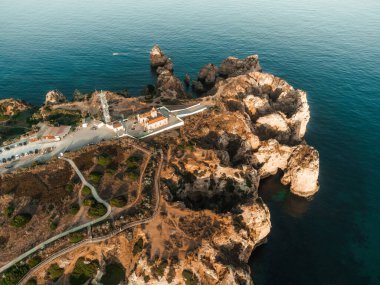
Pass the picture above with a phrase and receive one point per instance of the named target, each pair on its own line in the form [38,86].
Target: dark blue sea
[330,48]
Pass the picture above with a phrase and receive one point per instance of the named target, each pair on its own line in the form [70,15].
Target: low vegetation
[133,167]
[34,261]
[21,220]
[114,275]
[95,177]
[104,160]
[64,117]
[138,247]
[75,237]
[31,282]
[54,272]
[83,271]
[74,209]
[97,210]
[86,191]
[14,274]
[118,202]
[9,211]
[189,277]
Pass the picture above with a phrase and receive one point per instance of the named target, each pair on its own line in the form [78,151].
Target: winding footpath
[65,233]
[103,238]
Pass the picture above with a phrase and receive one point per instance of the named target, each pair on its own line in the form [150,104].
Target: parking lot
[25,154]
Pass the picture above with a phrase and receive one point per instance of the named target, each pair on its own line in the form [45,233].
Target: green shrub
[189,277]
[83,271]
[118,202]
[64,118]
[171,275]
[53,226]
[146,278]
[33,261]
[14,274]
[75,237]
[104,160]
[95,177]
[31,282]
[74,209]
[9,211]
[138,247]
[21,220]
[89,202]
[55,272]
[86,191]
[158,271]
[97,210]
[69,187]
[114,275]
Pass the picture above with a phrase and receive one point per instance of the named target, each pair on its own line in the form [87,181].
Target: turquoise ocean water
[329,48]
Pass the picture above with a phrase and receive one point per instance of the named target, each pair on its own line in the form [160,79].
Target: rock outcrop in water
[169,87]
[54,97]
[230,67]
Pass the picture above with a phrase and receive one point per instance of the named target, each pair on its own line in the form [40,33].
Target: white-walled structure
[152,120]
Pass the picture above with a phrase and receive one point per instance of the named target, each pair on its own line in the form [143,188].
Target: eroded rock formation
[169,87]
[11,107]
[54,97]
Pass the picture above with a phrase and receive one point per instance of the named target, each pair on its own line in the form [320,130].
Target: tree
[97,210]
[83,271]
[55,272]
[21,220]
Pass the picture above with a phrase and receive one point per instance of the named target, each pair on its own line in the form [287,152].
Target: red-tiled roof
[156,120]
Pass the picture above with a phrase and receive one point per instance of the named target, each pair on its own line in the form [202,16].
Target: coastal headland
[170,178]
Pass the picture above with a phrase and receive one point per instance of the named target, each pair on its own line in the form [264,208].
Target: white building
[152,120]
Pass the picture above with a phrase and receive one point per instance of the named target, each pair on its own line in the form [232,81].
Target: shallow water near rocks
[329,48]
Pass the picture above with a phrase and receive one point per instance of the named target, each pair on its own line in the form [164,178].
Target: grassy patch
[83,271]
[21,220]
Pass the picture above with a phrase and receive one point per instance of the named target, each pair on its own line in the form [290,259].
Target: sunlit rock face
[54,97]
[302,171]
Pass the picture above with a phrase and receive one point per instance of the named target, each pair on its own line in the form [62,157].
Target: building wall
[158,124]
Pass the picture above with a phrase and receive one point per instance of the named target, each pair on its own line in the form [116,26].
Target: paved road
[73,141]
[100,239]
[65,233]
